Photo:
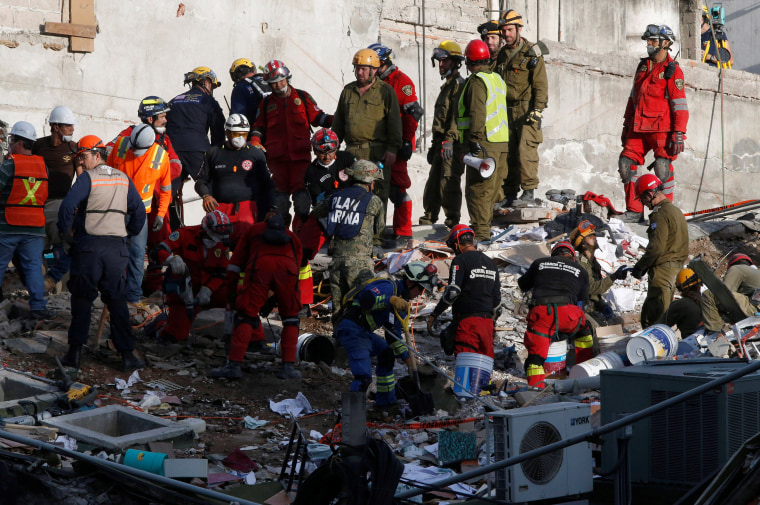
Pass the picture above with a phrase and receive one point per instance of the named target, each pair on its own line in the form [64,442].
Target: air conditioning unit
[684,444]
[567,472]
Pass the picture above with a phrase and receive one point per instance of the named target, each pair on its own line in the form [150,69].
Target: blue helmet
[661,32]
[151,106]
[383,52]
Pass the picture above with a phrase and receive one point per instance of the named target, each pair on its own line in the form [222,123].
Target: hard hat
[237,123]
[687,278]
[141,139]
[240,68]
[276,71]
[151,106]
[661,32]
[24,130]
[457,232]
[736,258]
[510,17]
[585,229]
[647,182]
[424,274]
[489,28]
[447,49]
[383,52]
[200,73]
[91,143]
[325,140]
[705,12]
[216,224]
[477,50]
[365,171]
[367,57]
[563,247]
[62,115]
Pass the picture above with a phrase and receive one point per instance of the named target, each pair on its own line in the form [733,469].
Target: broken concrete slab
[525,215]
[35,345]
[186,468]
[15,387]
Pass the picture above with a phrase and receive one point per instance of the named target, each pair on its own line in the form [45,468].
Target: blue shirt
[375,303]
[193,114]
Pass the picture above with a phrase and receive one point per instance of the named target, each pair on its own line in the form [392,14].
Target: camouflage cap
[365,171]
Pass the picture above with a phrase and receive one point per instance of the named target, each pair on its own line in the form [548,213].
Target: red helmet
[276,71]
[739,257]
[456,232]
[647,182]
[562,246]
[477,50]
[325,140]
[216,224]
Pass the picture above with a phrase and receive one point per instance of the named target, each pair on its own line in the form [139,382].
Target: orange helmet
[367,57]
[90,143]
[510,17]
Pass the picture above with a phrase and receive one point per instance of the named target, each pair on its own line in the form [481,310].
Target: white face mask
[283,91]
[67,138]
[237,142]
[328,165]
[160,129]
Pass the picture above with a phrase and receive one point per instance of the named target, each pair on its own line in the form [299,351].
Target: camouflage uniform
[742,281]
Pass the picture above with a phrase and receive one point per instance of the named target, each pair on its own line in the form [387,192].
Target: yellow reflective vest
[497,119]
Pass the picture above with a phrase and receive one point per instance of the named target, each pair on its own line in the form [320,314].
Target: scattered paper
[67,442]
[293,407]
[252,423]
[250,478]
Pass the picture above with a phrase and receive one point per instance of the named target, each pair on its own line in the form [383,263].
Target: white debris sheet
[292,407]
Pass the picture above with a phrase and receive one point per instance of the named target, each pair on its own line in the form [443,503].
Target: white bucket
[315,348]
[656,342]
[592,367]
[473,372]
[556,358]
[612,343]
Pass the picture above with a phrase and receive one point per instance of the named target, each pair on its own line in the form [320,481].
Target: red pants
[179,324]
[280,275]
[547,323]
[310,234]
[288,175]
[636,146]
[475,334]
[242,216]
[153,275]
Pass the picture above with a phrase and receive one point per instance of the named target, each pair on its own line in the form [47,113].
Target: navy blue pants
[99,264]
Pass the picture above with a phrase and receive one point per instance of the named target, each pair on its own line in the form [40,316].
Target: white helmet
[141,139]
[237,123]
[62,115]
[24,130]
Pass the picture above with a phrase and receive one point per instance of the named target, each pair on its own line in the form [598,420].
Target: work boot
[527,196]
[508,201]
[259,346]
[632,217]
[288,372]
[231,370]
[71,358]
[450,223]
[130,362]
[305,311]
[426,219]
[399,241]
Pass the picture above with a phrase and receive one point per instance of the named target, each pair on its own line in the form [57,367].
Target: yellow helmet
[687,278]
[453,49]
[705,11]
[585,228]
[240,68]
[367,57]
[199,73]
[510,17]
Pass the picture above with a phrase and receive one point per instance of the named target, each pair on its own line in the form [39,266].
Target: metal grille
[544,468]
[163,385]
[743,418]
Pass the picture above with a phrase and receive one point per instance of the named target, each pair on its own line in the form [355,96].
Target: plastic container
[556,358]
[473,372]
[656,342]
[592,367]
[614,343]
[198,425]
[152,462]
[315,348]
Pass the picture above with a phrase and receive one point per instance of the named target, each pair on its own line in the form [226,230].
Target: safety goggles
[586,227]
[223,228]
[325,150]
[440,54]
[652,32]
[237,134]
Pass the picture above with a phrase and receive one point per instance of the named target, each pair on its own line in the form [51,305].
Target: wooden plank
[69,29]
[82,12]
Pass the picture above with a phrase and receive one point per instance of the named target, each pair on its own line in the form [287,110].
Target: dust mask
[652,50]
[160,129]
[67,138]
[328,165]
[237,142]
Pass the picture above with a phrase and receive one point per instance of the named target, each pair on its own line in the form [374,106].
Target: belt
[365,145]
[551,300]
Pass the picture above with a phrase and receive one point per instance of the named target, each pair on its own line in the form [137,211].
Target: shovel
[421,402]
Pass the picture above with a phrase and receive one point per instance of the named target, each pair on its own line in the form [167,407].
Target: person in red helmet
[483,125]
[743,280]
[655,118]
[473,294]
[560,286]
[667,251]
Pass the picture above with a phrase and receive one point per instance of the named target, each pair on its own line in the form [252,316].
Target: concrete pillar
[690,17]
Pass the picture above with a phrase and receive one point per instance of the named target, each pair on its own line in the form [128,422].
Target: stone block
[6,16]
[28,20]
[47,5]
[15,387]
[16,3]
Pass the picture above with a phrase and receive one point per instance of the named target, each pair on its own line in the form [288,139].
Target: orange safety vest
[145,174]
[25,202]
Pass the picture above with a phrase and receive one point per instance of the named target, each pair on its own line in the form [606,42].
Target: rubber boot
[130,362]
[527,196]
[231,370]
[288,372]
[632,216]
[72,356]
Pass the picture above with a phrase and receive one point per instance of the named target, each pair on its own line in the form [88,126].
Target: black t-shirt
[327,180]
[556,276]
[478,278]
[60,163]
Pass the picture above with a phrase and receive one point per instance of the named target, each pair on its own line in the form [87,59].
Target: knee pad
[241,318]
[291,321]
[386,359]
[625,169]
[365,381]
[534,359]
[662,168]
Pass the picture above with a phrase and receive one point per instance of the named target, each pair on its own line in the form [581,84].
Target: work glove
[405,153]
[256,142]
[177,265]
[447,150]
[496,313]
[624,135]
[203,297]
[607,312]
[431,155]
[535,117]
[430,323]
[399,304]
[621,273]
[377,252]
[209,203]
[475,149]
[674,146]
[638,273]
[158,224]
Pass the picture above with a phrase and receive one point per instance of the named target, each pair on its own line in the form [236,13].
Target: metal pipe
[722,213]
[593,434]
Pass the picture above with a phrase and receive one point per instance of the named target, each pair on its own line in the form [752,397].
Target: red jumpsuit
[400,182]
[256,268]
[656,108]
[207,267]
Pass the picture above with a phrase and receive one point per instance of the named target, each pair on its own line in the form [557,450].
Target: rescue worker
[249,88]
[473,294]
[146,163]
[234,178]
[667,251]
[354,216]
[23,193]
[192,116]
[443,186]
[411,112]
[743,280]
[521,64]
[202,253]
[655,119]
[483,127]
[368,120]
[56,150]
[381,303]
[94,212]
[686,312]
[490,34]
[559,285]
[267,259]
[716,49]
[283,126]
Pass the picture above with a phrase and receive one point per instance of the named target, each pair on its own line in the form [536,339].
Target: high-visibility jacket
[497,119]
[25,199]
[145,171]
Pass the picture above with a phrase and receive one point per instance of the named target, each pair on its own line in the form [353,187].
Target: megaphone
[486,166]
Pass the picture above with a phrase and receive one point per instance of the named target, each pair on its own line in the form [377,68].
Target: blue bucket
[473,373]
[152,462]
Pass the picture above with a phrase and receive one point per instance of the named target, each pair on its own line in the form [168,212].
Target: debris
[252,423]
[293,407]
